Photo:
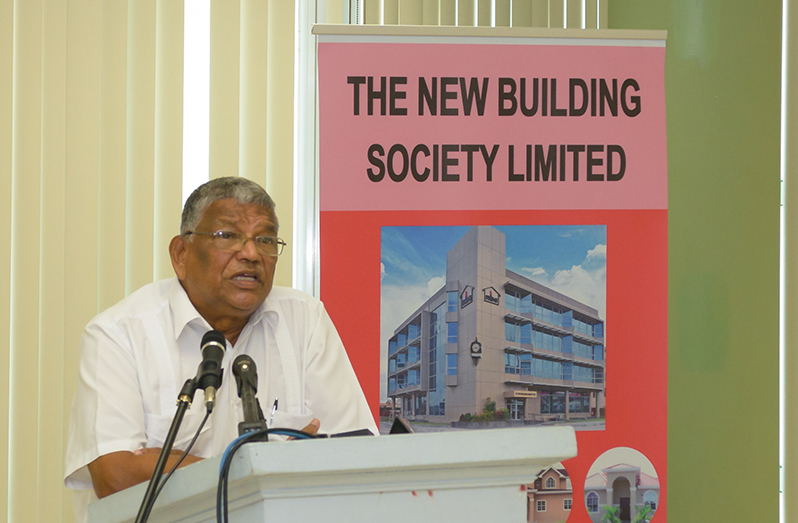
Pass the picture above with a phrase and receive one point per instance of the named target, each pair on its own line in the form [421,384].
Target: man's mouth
[246,277]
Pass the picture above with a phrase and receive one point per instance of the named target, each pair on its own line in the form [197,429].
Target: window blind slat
[467,13]
[225,89]
[25,229]
[6,109]
[448,10]
[390,12]
[168,133]
[411,12]
[113,147]
[51,434]
[431,12]
[140,144]
[279,181]
[557,13]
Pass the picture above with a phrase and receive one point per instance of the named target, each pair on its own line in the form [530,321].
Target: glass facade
[544,340]
[413,331]
[451,332]
[451,301]
[518,333]
[437,340]
[552,402]
[584,350]
[546,312]
[413,354]
[542,368]
[451,364]
[582,327]
[578,402]
[584,374]
[517,363]
[518,302]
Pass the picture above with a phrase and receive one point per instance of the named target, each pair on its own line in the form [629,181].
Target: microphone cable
[185,453]
[227,459]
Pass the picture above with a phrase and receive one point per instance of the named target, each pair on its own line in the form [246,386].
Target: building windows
[518,333]
[401,340]
[400,381]
[401,360]
[451,364]
[550,483]
[545,312]
[552,402]
[451,332]
[517,363]
[541,505]
[517,302]
[451,301]
[567,503]
[650,499]
[413,331]
[592,502]
[544,340]
[542,368]
[391,384]
[584,350]
[437,398]
[413,377]
[578,402]
[392,347]
[582,327]
[585,374]
[413,354]
[392,365]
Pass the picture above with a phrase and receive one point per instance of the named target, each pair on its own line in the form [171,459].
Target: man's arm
[119,470]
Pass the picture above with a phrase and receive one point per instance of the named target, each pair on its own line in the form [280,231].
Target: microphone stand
[183,403]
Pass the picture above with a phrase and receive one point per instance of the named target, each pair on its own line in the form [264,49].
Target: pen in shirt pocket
[274,409]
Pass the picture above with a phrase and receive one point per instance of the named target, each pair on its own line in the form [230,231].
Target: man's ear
[177,252]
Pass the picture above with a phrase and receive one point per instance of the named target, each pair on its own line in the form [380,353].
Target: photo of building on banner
[540,288]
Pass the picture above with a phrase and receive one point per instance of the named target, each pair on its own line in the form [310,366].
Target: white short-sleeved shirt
[136,356]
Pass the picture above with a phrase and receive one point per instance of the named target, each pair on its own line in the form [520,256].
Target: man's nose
[248,251]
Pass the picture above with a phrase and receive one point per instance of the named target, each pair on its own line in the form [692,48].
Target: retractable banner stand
[494,243]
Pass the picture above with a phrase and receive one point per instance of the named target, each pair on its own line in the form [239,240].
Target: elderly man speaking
[136,355]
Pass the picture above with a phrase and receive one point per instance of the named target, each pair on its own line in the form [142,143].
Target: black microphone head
[213,346]
[245,371]
[209,373]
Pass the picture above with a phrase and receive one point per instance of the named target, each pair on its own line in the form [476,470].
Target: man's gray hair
[241,190]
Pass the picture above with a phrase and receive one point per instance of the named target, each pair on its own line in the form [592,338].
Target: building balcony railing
[528,379]
[528,348]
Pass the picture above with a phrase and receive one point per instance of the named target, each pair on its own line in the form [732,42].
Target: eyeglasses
[235,241]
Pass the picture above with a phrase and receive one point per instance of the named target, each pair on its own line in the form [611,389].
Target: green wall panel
[722,82]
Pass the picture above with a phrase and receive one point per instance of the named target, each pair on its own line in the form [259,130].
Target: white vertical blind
[579,14]
[91,126]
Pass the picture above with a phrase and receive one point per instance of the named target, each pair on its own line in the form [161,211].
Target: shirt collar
[183,310]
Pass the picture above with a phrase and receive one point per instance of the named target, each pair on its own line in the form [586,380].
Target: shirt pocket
[157,427]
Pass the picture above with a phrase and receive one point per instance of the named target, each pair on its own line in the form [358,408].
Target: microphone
[246,374]
[209,372]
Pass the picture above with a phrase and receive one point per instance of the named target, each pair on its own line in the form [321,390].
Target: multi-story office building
[492,333]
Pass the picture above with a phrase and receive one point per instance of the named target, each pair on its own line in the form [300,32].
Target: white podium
[477,475]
